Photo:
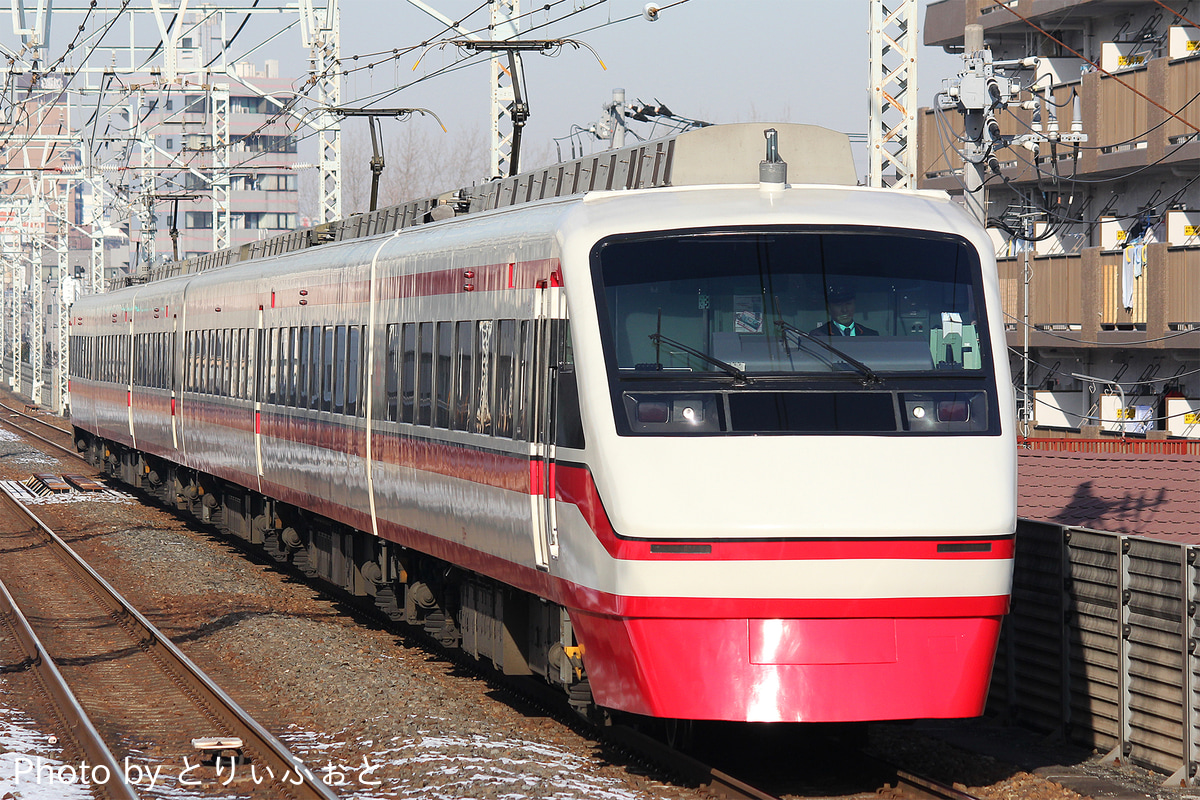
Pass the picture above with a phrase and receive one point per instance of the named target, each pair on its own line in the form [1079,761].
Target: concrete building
[1110,231]
[263,194]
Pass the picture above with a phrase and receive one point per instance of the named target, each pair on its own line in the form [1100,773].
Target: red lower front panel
[793,670]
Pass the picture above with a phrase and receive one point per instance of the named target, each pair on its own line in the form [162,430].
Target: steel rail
[275,754]
[68,450]
[916,787]
[38,420]
[670,759]
[76,720]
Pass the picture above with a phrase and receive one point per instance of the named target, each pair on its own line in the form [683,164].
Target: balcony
[1084,298]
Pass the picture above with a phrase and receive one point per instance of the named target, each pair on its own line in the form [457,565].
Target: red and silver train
[607,437]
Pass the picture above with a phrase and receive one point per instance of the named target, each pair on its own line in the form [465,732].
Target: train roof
[714,155]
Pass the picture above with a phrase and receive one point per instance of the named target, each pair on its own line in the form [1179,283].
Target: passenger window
[408,372]
[339,370]
[227,362]
[218,359]
[250,363]
[210,363]
[189,363]
[295,368]
[425,375]
[445,353]
[239,386]
[484,353]
[353,362]
[302,369]
[314,372]
[464,377]
[327,371]
[521,393]
[392,372]
[506,347]
[285,367]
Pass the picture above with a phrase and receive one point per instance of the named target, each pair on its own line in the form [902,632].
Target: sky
[715,60]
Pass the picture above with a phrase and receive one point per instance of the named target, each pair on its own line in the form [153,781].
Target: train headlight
[672,413]
[942,412]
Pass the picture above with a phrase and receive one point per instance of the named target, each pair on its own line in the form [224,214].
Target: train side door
[549,346]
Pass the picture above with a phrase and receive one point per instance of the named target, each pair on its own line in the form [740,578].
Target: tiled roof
[1156,496]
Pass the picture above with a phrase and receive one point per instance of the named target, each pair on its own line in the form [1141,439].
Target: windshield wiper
[716,362]
[869,375]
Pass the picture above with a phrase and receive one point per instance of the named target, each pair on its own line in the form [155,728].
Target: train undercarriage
[518,633]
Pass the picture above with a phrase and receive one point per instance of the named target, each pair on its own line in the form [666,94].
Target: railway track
[62,441]
[134,690]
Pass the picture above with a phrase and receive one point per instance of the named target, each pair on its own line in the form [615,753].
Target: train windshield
[859,303]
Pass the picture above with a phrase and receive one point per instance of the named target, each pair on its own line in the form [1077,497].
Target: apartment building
[1099,245]
[263,197]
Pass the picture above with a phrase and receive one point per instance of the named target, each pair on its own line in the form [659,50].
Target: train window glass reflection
[391,381]
[288,366]
[353,360]
[244,359]
[749,298]
[445,355]
[210,362]
[408,371]
[295,365]
[250,364]
[199,356]
[189,362]
[481,421]
[339,370]
[314,368]
[276,366]
[464,351]
[425,375]
[226,362]
[506,347]
[327,356]
[302,368]
[214,360]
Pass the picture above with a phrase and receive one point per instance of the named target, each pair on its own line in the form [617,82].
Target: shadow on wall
[1126,514]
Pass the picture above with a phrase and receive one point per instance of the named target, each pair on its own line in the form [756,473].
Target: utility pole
[377,161]
[220,170]
[892,127]
[506,104]
[616,119]
[506,112]
[322,35]
[977,93]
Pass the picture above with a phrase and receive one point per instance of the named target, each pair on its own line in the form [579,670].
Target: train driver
[839,301]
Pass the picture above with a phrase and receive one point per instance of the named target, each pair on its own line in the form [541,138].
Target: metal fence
[1133,445]
[1100,646]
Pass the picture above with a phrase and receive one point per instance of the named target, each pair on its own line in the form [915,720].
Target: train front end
[794,495]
